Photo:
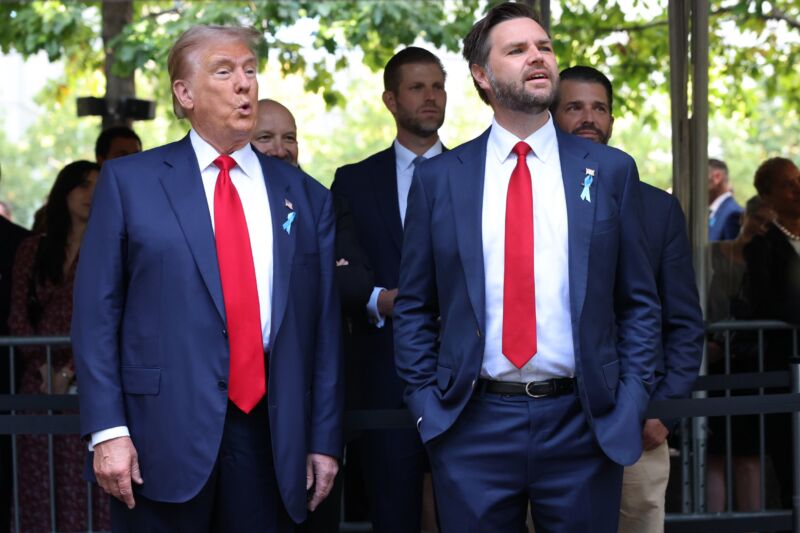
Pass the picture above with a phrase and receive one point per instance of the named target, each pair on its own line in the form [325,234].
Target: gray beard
[513,96]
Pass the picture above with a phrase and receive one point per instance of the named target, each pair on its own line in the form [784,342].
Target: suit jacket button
[473,383]
[221,385]
[225,332]
[478,332]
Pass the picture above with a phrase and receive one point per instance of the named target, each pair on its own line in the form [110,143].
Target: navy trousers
[505,451]
[394,465]
[241,495]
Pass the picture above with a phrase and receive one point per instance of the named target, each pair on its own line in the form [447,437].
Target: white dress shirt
[555,356]
[248,178]
[405,172]
[714,207]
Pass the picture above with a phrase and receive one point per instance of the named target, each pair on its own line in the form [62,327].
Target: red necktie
[247,382]
[519,292]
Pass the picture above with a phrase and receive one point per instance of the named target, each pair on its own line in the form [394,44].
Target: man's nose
[535,55]
[242,81]
[587,117]
[277,149]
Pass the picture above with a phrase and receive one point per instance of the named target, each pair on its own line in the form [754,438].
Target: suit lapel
[466,191]
[385,190]
[580,215]
[279,190]
[184,188]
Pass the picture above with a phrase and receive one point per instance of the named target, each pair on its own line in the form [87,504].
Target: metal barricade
[19,422]
[15,420]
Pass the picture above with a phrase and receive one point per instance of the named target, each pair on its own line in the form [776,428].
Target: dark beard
[418,127]
[603,135]
[513,96]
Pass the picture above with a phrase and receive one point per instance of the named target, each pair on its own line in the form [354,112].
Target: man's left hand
[320,473]
[653,434]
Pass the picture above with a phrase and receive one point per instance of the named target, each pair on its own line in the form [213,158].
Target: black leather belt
[534,389]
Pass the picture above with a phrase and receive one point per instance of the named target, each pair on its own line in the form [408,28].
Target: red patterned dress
[69,452]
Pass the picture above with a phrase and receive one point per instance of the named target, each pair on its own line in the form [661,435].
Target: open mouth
[245,108]
[535,76]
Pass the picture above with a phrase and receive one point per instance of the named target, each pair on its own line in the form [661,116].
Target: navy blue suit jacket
[670,254]
[613,301]
[724,225]
[370,189]
[149,329]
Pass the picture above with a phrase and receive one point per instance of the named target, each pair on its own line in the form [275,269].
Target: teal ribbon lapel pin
[587,185]
[287,226]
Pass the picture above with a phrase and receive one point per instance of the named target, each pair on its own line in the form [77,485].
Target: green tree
[750,39]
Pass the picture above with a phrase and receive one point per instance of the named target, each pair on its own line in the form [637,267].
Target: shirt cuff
[375,318]
[108,434]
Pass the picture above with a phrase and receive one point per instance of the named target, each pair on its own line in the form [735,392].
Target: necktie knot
[521,149]
[225,162]
[419,159]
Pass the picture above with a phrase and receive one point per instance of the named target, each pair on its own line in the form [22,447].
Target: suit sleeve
[355,280]
[681,317]
[98,301]
[327,408]
[415,308]
[636,305]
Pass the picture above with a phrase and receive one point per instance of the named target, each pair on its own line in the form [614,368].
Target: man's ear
[480,76]
[390,101]
[183,93]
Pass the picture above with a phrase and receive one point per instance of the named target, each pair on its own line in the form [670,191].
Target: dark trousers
[394,465]
[241,495]
[506,451]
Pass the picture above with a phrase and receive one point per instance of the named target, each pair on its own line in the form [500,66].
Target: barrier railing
[14,420]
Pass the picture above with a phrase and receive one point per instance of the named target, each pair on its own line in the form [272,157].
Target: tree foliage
[753,45]
[751,40]
[70,30]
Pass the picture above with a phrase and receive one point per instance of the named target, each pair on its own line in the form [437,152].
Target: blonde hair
[181,62]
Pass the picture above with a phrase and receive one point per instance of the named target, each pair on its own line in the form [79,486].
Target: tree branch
[773,14]
[156,14]
[777,14]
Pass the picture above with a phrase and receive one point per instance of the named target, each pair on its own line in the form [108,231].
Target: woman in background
[772,288]
[41,304]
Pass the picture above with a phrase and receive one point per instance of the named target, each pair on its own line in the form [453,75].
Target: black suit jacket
[370,190]
[772,290]
[355,279]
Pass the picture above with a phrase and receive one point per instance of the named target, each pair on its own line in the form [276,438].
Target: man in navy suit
[206,323]
[527,321]
[376,191]
[584,107]
[724,214]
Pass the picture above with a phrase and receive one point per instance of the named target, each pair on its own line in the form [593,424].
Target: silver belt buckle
[529,393]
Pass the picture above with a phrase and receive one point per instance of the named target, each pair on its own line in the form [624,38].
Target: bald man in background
[275,135]
[276,131]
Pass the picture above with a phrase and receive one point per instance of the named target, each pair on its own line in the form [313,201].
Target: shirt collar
[405,157]
[543,141]
[718,201]
[245,158]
